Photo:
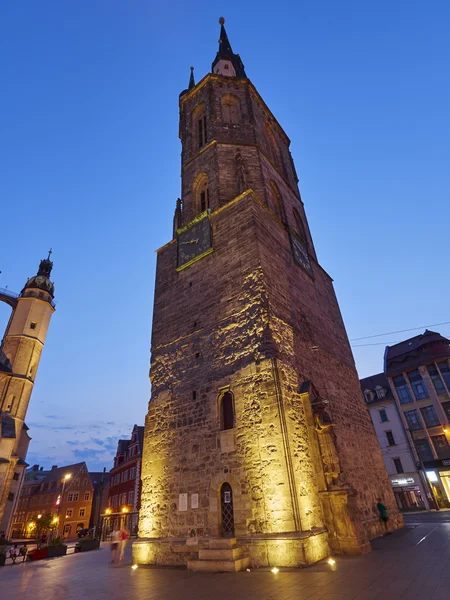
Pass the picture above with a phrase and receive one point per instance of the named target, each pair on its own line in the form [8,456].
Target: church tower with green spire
[258,446]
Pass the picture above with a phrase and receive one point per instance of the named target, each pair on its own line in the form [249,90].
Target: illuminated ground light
[134,567]
[275,570]
[331,561]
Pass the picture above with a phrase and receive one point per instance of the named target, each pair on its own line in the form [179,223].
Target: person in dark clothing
[383,514]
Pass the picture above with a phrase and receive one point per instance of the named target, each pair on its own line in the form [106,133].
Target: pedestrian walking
[23,552]
[114,545]
[124,534]
[13,554]
[383,514]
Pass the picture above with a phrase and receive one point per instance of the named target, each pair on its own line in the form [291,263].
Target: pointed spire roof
[225,52]
[224,43]
[191,79]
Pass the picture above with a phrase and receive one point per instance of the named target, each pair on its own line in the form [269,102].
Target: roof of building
[140,430]
[372,383]
[225,52]
[122,446]
[96,477]
[42,279]
[415,351]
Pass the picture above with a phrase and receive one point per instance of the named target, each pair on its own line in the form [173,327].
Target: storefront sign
[403,481]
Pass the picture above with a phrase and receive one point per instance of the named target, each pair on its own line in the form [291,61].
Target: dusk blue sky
[90,166]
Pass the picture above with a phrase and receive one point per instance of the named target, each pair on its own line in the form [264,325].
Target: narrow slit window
[227,411]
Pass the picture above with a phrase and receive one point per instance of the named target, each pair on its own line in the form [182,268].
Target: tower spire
[226,62]
[191,79]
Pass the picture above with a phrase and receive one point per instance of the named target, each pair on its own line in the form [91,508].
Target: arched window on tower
[231,109]
[277,202]
[199,125]
[299,226]
[227,411]
[201,193]
[275,152]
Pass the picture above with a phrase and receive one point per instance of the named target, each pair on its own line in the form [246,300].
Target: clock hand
[190,242]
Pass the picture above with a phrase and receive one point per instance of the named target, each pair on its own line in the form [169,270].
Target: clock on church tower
[257,437]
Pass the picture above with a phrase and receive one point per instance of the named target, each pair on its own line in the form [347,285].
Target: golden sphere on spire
[221,21]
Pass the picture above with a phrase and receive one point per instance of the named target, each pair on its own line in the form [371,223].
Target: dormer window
[368,395]
[226,66]
[381,392]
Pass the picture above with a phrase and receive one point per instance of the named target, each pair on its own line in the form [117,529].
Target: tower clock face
[300,252]
[194,241]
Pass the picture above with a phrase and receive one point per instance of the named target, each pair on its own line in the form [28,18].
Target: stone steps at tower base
[218,565]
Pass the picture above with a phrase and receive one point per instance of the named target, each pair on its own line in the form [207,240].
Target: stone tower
[20,354]
[256,427]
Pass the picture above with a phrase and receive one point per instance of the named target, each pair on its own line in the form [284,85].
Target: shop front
[438,474]
[409,491]
[116,521]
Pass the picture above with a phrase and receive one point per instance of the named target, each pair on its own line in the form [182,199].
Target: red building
[125,485]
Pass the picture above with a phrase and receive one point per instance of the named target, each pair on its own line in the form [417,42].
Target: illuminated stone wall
[246,318]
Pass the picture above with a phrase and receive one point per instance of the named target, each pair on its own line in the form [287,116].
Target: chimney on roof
[41,469]
[35,468]
[54,467]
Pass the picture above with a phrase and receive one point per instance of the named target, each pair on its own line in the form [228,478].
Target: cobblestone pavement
[411,564]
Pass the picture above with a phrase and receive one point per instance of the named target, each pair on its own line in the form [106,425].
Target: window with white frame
[381,392]
[82,512]
[87,495]
[69,512]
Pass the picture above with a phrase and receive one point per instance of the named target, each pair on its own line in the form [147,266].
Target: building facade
[418,371]
[100,481]
[66,493]
[124,492]
[20,353]
[256,427]
[408,482]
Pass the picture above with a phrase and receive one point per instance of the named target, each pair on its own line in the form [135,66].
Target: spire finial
[191,79]
[221,21]
[50,252]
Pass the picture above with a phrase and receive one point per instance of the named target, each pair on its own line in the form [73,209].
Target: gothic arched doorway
[226,505]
